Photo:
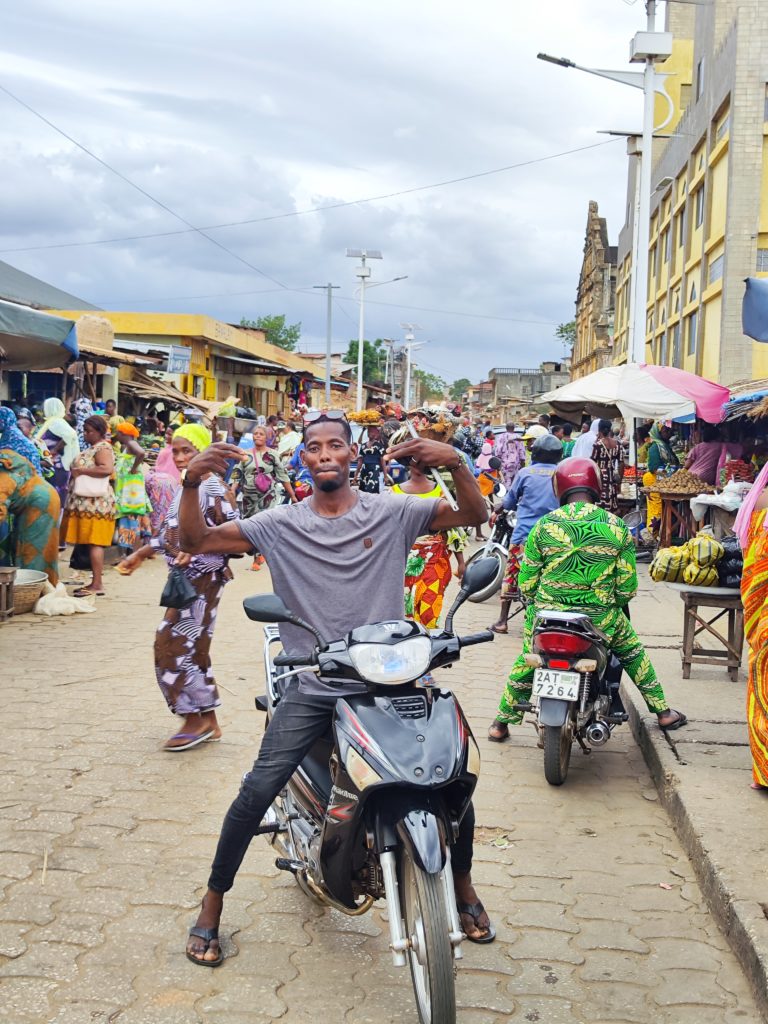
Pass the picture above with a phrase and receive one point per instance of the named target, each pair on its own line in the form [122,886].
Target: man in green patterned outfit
[581,557]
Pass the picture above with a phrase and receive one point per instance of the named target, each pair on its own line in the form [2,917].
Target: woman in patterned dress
[370,462]
[751,527]
[257,481]
[608,455]
[29,509]
[183,638]
[428,569]
[90,520]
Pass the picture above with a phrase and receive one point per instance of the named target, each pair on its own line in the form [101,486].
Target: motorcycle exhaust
[597,733]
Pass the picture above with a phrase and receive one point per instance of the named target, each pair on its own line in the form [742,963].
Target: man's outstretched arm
[472,510]
[195,536]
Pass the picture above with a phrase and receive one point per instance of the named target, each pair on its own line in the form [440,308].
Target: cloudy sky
[259,111]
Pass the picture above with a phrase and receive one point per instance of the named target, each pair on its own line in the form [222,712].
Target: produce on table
[681,482]
[736,469]
[701,575]
[696,562]
[669,565]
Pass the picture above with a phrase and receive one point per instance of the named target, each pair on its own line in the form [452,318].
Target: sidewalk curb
[742,921]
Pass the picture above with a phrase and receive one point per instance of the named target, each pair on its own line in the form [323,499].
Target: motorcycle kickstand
[584,748]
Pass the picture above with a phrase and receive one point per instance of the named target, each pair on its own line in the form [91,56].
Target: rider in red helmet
[581,557]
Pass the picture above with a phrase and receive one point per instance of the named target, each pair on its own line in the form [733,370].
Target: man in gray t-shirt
[338,561]
[341,572]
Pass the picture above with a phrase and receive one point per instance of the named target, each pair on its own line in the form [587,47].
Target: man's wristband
[191,484]
[459,465]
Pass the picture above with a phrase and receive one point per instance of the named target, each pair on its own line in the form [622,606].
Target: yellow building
[595,300]
[214,360]
[709,210]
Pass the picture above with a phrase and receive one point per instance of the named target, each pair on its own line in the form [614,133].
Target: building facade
[709,210]
[211,360]
[515,391]
[595,299]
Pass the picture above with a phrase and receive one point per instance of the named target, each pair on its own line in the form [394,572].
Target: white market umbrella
[641,391]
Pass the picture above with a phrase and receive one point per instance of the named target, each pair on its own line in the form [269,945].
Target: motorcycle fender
[420,831]
[553,712]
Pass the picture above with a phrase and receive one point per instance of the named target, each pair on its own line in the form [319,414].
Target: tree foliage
[566,333]
[432,386]
[278,332]
[458,388]
[374,358]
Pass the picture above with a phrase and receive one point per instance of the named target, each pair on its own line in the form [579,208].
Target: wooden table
[676,518]
[728,602]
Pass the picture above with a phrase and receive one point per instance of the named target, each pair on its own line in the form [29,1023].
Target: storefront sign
[179,358]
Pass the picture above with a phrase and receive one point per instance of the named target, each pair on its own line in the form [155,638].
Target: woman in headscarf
[584,444]
[61,441]
[89,515]
[162,482]
[29,516]
[183,638]
[11,437]
[751,527]
[82,409]
[661,458]
[131,500]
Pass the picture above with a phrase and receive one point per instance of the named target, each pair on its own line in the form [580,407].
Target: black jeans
[299,720]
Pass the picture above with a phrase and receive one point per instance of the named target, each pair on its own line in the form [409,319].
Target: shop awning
[31,340]
[263,364]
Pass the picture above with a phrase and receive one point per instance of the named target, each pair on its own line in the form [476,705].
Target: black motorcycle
[372,811]
[496,547]
[575,688]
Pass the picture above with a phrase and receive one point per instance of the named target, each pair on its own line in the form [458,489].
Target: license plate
[559,685]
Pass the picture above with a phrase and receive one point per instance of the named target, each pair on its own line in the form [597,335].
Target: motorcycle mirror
[267,608]
[271,608]
[478,575]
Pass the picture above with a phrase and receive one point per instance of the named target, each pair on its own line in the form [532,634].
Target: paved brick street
[106,843]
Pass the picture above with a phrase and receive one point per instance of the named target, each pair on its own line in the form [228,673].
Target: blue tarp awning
[31,340]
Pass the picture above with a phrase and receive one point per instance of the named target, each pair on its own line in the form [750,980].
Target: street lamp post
[646,48]
[409,346]
[328,338]
[363,272]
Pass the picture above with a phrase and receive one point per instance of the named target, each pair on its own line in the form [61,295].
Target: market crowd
[82,475]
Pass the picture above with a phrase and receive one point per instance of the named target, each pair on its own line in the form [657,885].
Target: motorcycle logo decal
[342,812]
[337,791]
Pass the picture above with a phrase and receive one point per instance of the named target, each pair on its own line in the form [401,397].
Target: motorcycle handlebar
[476,638]
[287,660]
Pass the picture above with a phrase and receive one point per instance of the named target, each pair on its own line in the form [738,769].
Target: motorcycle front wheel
[430,954]
[498,579]
[557,753]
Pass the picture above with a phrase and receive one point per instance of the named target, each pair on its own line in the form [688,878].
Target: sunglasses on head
[313,415]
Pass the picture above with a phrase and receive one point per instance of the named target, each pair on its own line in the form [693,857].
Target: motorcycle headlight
[392,663]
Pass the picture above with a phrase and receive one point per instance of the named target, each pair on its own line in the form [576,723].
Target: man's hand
[182,559]
[425,453]
[215,459]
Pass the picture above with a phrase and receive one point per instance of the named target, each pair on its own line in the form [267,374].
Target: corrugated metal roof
[16,286]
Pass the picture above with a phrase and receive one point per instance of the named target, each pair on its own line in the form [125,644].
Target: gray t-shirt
[339,573]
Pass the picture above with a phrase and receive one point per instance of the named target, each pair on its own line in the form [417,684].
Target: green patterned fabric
[581,557]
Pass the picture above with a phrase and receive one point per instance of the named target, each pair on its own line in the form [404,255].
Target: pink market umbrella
[708,397]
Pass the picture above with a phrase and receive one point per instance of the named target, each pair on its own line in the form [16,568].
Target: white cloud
[237,110]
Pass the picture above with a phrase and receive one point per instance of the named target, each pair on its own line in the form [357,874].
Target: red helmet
[573,475]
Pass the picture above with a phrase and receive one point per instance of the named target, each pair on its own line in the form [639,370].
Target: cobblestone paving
[106,843]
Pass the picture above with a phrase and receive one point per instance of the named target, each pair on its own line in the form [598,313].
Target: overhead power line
[190,227]
[286,214]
